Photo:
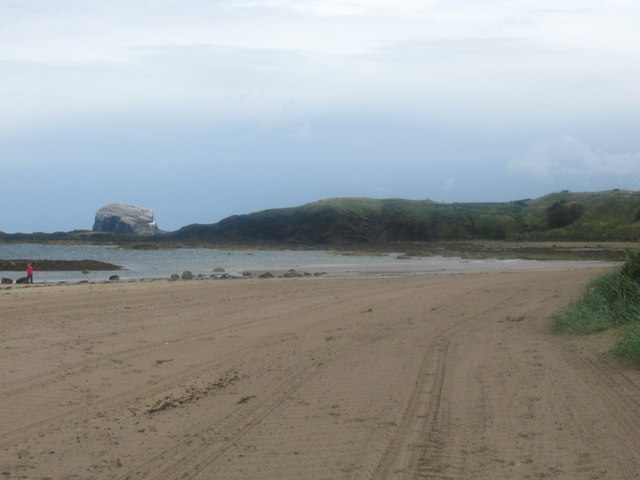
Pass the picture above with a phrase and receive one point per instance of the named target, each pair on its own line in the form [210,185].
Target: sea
[144,265]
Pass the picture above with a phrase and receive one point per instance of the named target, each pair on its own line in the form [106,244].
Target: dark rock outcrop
[19,265]
[125,219]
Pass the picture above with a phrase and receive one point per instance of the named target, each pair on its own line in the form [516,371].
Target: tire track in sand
[387,378]
[55,382]
[209,454]
[194,459]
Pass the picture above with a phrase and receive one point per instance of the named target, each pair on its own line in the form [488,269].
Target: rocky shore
[56,265]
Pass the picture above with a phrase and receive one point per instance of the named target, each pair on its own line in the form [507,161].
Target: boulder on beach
[6,280]
[126,219]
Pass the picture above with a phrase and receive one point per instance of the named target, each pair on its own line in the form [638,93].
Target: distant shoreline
[467,249]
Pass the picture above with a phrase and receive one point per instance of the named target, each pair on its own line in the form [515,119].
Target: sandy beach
[451,376]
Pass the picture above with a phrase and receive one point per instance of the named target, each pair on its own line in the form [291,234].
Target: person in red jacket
[29,273]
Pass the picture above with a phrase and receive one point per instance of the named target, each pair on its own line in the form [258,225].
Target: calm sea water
[159,264]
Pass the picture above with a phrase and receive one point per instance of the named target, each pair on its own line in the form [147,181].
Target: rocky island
[125,219]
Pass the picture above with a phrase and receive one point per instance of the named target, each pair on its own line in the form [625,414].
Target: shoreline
[500,249]
[294,378]
[364,271]
[407,259]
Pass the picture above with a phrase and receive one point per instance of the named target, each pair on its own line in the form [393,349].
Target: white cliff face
[122,218]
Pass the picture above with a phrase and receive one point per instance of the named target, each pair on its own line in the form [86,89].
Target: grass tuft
[611,300]
[595,310]
[628,345]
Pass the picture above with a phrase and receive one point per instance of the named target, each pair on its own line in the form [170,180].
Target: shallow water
[154,264]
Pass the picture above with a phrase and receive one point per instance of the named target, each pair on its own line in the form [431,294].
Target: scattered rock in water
[404,257]
[22,280]
[187,275]
[294,274]
[266,275]
[247,274]
[7,280]
[86,272]
[114,278]
[175,276]
[219,270]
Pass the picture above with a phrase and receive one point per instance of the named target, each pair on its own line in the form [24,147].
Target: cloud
[336,8]
[570,158]
[458,57]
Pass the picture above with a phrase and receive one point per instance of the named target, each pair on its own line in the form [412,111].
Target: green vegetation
[352,223]
[599,216]
[611,300]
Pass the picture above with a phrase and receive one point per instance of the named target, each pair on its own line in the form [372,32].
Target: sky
[202,109]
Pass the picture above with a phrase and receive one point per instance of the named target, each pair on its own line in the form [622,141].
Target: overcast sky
[201,109]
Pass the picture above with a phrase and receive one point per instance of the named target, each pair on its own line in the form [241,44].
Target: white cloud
[568,157]
[458,59]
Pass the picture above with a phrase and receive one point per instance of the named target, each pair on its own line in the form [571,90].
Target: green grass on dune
[628,345]
[611,300]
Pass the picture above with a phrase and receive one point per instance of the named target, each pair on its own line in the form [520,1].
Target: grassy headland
[384,224]
[600,216]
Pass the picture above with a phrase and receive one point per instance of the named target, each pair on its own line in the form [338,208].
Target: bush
[561,214]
